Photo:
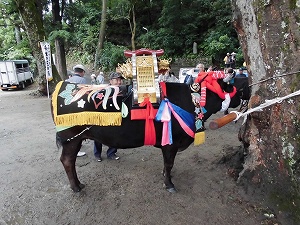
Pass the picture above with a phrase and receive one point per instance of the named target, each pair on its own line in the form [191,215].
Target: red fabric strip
[163,89]
[140,114]
[148,115]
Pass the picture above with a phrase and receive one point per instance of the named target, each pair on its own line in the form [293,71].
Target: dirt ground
[34,187]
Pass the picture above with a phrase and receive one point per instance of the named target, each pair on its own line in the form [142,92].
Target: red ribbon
[150,136]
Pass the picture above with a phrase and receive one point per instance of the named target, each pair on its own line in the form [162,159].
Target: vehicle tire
[4,89]
[22,85]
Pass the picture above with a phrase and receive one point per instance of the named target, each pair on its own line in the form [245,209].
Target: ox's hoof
[78,188]
[170,189]
[82,185]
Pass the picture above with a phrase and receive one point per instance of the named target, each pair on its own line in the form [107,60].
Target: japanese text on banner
[47,56]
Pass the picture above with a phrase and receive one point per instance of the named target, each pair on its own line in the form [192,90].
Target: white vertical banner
[47,56]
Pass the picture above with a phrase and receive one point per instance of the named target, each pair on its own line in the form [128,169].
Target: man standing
[78,76]
[115,78]
[241,73]
[227,60]
[100,78]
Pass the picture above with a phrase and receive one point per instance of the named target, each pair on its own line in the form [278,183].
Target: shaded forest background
[174,26]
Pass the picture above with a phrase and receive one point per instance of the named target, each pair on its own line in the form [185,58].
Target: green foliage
[171,25]
[216,45]
[59,34]
[7,38]
[111,55]
[10,49]
[19,53]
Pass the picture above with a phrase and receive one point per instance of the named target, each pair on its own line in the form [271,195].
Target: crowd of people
[229,60]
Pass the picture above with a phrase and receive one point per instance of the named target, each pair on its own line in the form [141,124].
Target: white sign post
[47,56]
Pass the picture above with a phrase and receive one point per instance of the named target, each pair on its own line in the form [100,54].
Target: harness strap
[163,89]
[203,78]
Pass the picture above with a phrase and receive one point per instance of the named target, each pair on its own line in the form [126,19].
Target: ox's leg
[169,152]
[68,159]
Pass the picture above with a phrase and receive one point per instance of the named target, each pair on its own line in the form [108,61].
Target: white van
[15,74]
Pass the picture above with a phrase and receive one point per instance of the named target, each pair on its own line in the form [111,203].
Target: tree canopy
[171,25]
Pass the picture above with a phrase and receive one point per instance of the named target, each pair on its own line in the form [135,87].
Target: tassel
[199,138]
[89,118]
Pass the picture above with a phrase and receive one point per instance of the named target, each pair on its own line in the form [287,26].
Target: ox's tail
[58,141]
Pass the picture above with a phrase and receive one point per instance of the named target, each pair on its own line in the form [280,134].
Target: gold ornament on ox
[126,69]
[164,64]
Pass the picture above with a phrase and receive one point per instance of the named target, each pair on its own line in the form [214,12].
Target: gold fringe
[89,118]
[199,138]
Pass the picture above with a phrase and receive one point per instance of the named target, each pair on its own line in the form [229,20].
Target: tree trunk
[31,13]
[269,35]
[101,34]
[132,24]
[60,55]
[134,28]
[18,34]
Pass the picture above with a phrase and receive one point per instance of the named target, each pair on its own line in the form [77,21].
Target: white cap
[233,53]
[93,75]
[79,66]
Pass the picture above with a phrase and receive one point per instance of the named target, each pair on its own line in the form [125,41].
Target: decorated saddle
[81,104]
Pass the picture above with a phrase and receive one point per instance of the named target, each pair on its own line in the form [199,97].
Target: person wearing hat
[227,60]
[93,79]
[100,78]
[115,78]
[241,73]
[232,63]
[166,75]
[78,76]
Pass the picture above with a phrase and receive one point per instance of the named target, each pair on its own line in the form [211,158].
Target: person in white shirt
[100,78]
[167,76]
[78,76]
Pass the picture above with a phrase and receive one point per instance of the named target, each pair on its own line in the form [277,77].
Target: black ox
[131,133]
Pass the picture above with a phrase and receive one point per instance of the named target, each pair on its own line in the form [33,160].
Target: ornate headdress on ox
[125,69]
[163,65]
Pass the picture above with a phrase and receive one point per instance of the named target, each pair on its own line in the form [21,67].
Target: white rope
[264,105]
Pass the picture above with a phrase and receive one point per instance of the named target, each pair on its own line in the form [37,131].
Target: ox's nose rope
[264,105]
